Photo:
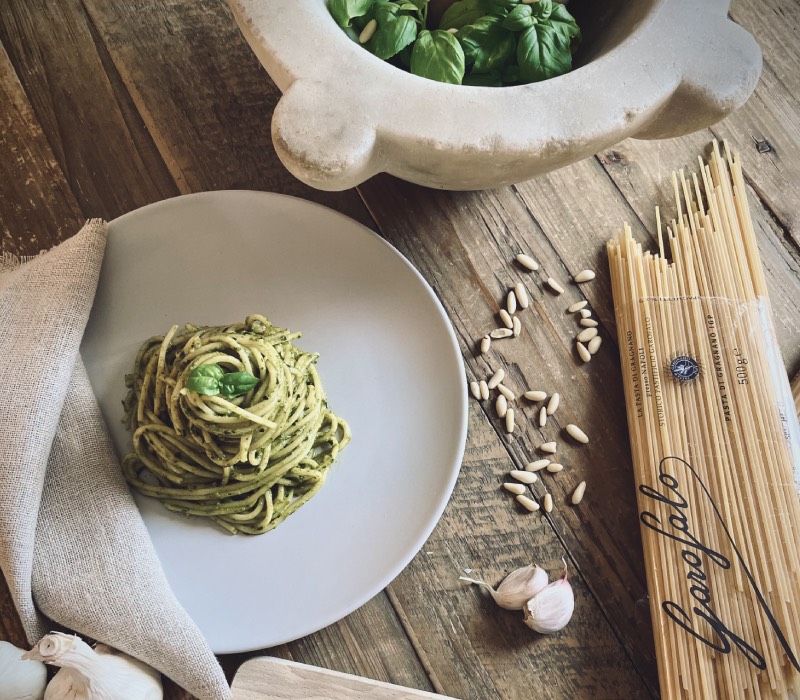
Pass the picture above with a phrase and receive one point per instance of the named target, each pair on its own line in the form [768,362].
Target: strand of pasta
[247,462]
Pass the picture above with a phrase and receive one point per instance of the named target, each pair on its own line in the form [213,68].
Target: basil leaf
[500,7]
[392,35]
[487,45]
[566,26]
[236,383]
[542,9]
[521,17]
[461,13]
[542,54]
[207,370]
[437,55]
[343,11]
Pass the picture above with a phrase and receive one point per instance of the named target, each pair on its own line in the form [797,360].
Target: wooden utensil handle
[267,678]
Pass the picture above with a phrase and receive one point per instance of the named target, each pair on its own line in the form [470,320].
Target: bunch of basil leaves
[489,42]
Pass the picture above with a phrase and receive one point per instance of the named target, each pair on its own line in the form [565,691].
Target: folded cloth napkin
[73,546]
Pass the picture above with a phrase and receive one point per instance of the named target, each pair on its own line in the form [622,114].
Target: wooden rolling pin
[267,678]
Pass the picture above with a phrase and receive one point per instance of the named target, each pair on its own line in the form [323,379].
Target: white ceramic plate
[389,361]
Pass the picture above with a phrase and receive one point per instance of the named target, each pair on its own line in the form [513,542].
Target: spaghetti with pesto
[246,461]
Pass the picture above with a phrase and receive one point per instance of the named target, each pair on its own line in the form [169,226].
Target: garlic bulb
[551,609]
[101,673]
[20,678]
[517,588]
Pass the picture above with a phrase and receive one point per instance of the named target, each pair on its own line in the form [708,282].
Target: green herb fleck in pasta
[230,423]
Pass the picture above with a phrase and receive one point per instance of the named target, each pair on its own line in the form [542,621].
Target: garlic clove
[20,678]
[551,609]
[517,588]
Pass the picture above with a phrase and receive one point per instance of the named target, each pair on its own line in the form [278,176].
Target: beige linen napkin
[73,546]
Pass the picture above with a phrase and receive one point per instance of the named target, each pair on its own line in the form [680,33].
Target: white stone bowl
[646,68]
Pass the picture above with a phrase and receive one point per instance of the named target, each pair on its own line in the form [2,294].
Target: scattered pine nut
[518,489]
[522,295]
[527,503]
[505,391]
[496,378]
[486,343]
[475,388]
[501,406]
[594,344]
[501,333]
[588,323]
[537,465]
[552,404]
[484,387]
[517,326]
[453,30]
[585,313]
[368,31]
[527,262]
[555,467]
[584,276]
[510,420]
[577,306]
[586,335]
[549,447]
[576,433]
[535,395]
[577,494]
[505,317]
[511,302]
[543,416]
[548,503]
[555,286]
[524,477]
[583,352]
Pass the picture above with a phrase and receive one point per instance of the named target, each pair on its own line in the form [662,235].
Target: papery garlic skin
[20,679]
[517,588]
[101,673]
[551,609]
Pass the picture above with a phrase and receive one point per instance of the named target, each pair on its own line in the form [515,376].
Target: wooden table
[108,105]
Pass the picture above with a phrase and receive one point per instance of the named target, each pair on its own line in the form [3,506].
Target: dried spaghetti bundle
[714,439]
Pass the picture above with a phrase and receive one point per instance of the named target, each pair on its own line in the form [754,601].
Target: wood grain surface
[108,105]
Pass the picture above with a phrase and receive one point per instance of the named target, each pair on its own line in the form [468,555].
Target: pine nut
[552,404]
[484,387]
[505,391]
[586,334]
[524,477]
[535,395]
[537,465]
[577,494]
[555,286]
[548,503]
[549,447]
[588,323]
[517,326]
[510,420]
[594,344]
[453,30]
[522,295]
[584,353]
[496,378]
[555,467]
[505,317]
[501,333]
[475,388]
[527,262]
[511,302]
[576,433]
[577,306]
[518,489]
[501,406]
[543,416]
[527,503]
[585,313]
[486,343]
[584,276]
[368,31]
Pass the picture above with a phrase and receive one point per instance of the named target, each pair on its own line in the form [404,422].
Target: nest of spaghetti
[245,457]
